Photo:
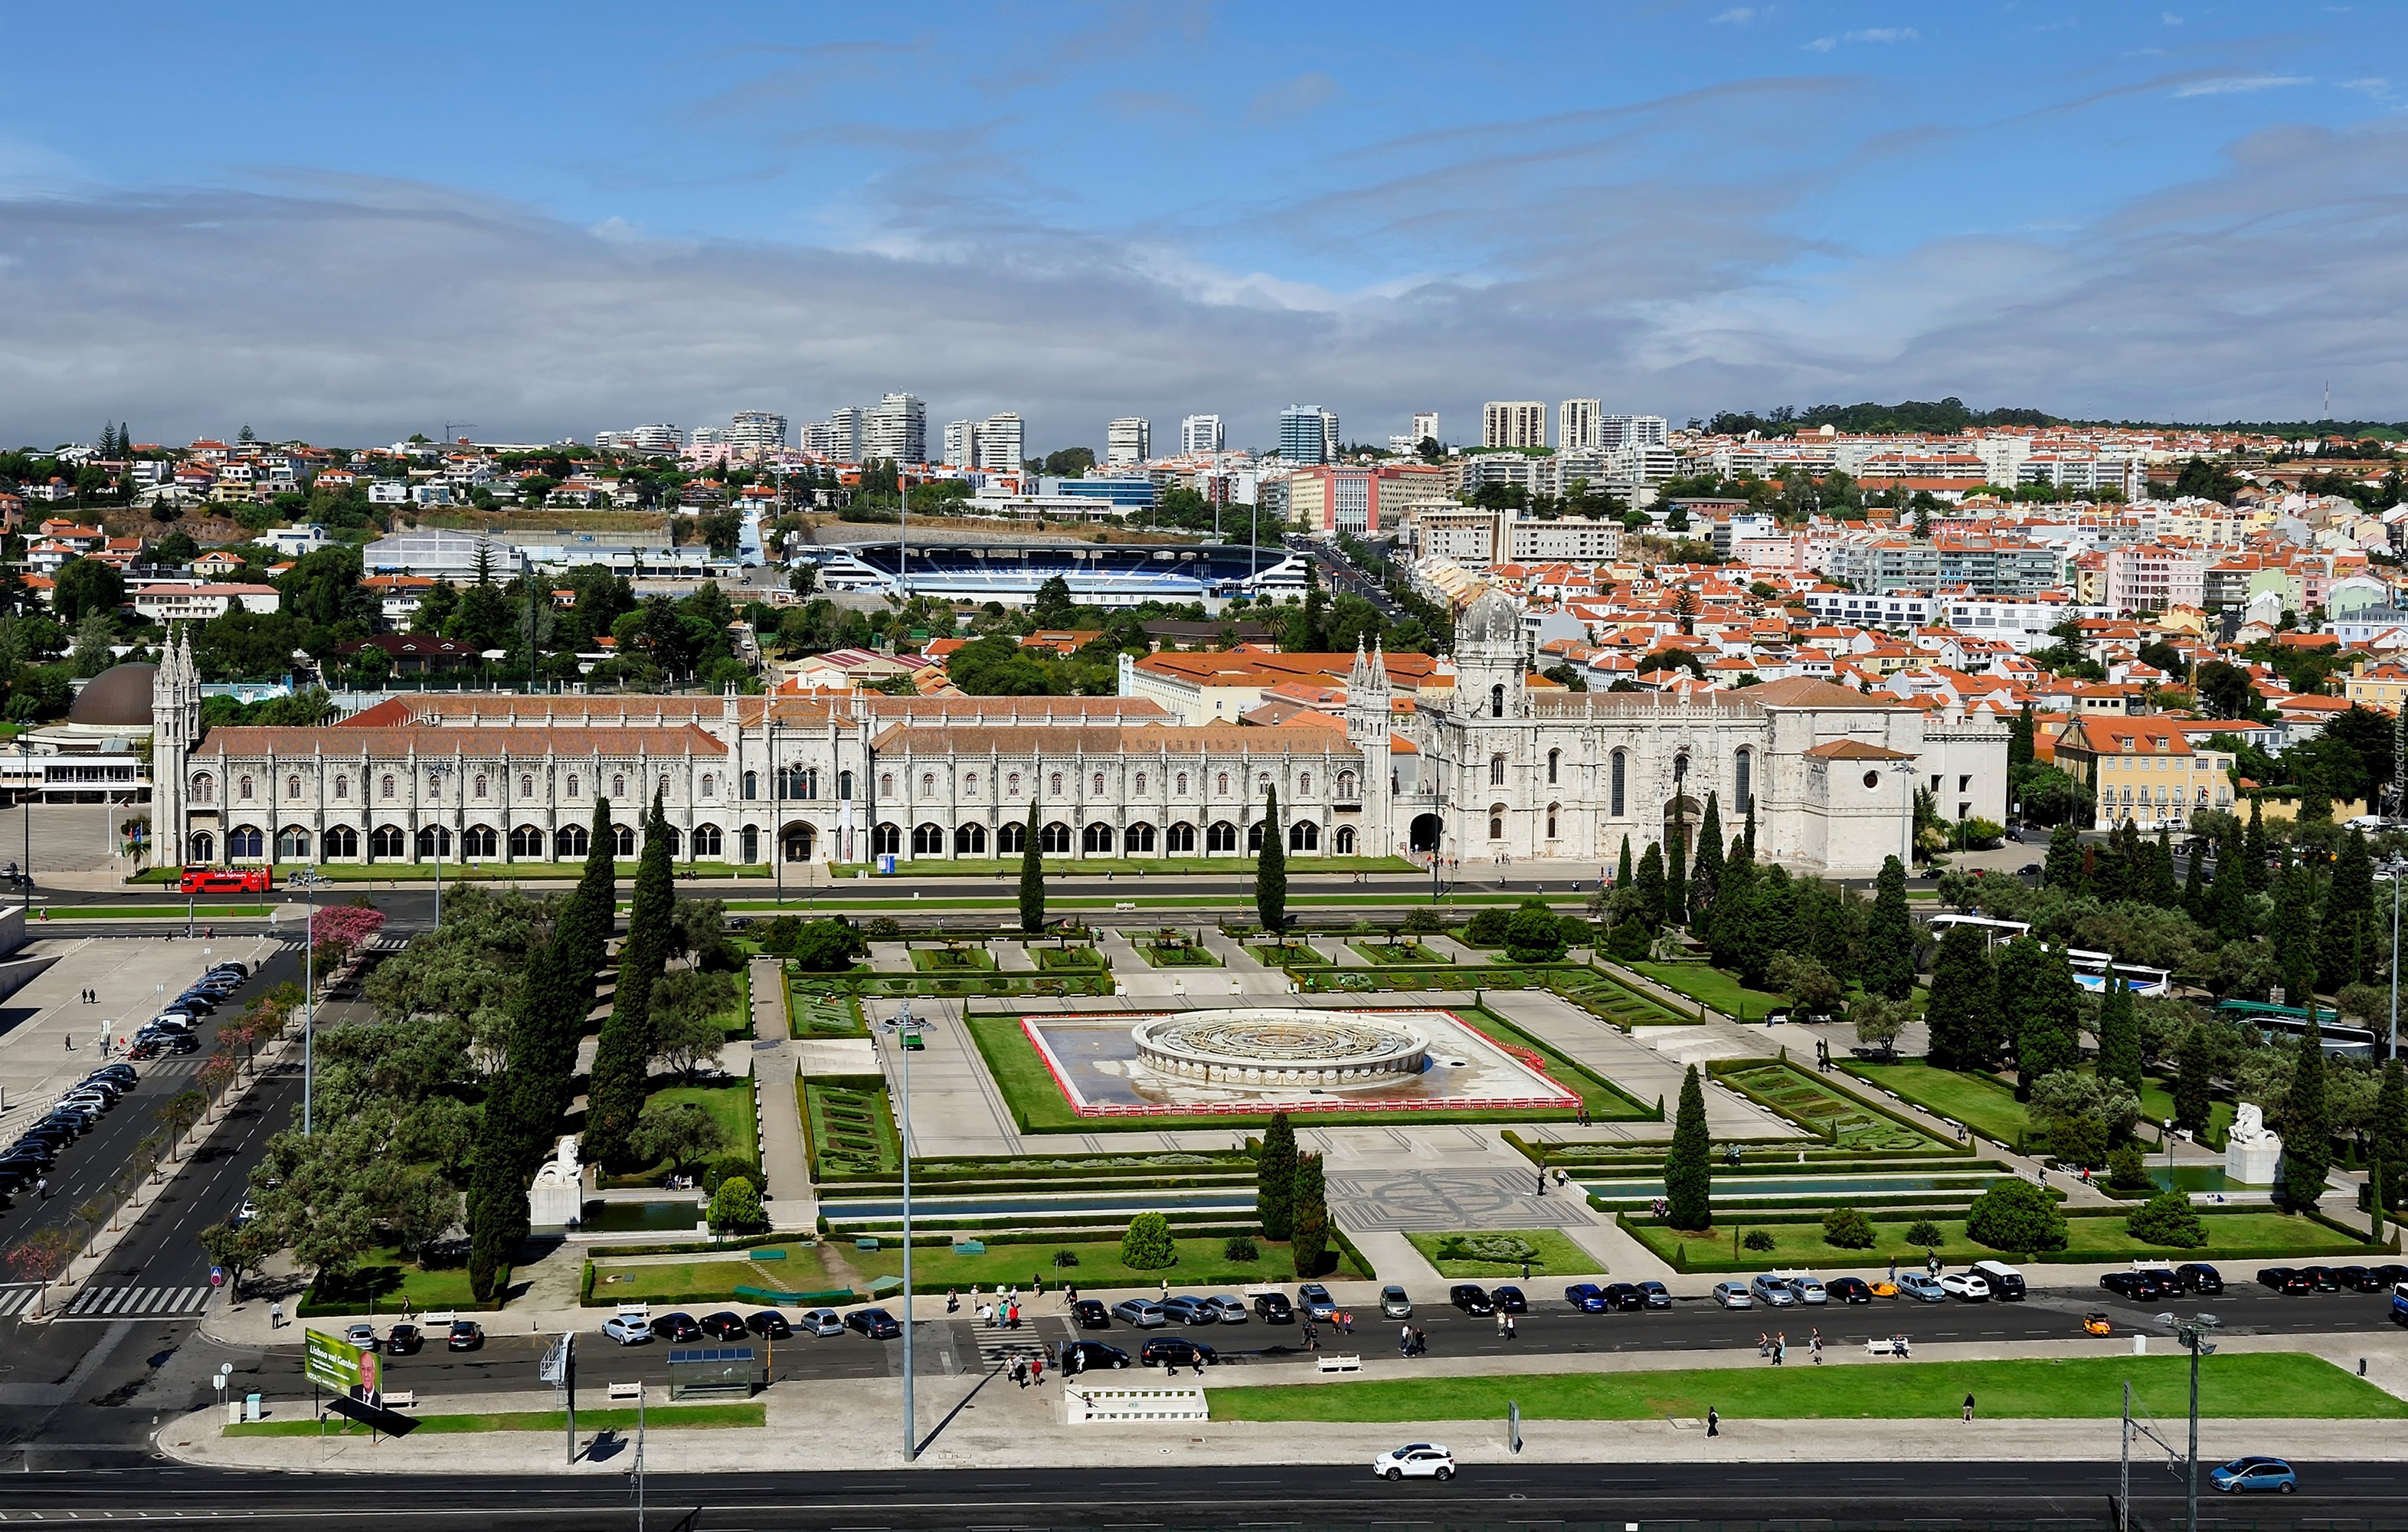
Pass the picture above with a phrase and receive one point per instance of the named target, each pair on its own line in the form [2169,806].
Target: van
[2005,1281]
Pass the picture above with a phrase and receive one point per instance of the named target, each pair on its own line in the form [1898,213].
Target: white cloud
[1884,35]
[2169,18]
[1736,16]
[1821,45]
[2237,84]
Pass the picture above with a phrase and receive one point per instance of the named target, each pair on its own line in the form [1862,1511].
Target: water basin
[668,1215]
[2197,1178]
[1800,1186]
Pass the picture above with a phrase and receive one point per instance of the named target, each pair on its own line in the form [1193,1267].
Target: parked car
[1586,1297]
[2285,1280]
[467,1335]
[2254,1473]
[1732,1295]
[1416,1460]
[1770,1291]
[1228,1309]
[1509,1300]
[1809,1289]
[1175,1351]
[1394,1304]
[1968,1285]
[1090,1314]
[877,1323]
[1091,1355]
[725,1324]
[1921,1287]
[1620,1296]
[2168,1283]
[769,1324]
[1144,1313]
[1274,1309]
[1654,1296]
[2137,1285]
[1314,1299]
[364,1337]
[2357,1278]
[404,1340]
[820,1321]
[2391,1275]
[2006,1282]
[1848,1290]
[2321,1278]
[2199,1277]
[627,1330]
[678,1328]
[1471,1299]
[1188,1309]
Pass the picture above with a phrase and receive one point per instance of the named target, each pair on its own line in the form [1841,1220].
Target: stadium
[1098,575]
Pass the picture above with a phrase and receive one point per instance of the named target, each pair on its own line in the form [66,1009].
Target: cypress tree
[2194,890]
[2164,891]
[2022,737]
[2062,869]
[2294,935]
[2194,1079]
[1032,876]
[1889,937]
[1676,878]
[1271,868]
[2227,899]
[1963,1015]
[1705,875]
[1731,925]
[1648,908]
[2307,1122]
[1748,836]
[2341,928]
[1275,1179]
[2042,1009]
[2253,849]
[1622,867]
[2391,1136]
[1688,1168]
[2119,1036]
[623,1057]
[1308,1239]
[597,894]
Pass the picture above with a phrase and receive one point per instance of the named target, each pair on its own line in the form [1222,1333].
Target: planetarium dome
[118,697]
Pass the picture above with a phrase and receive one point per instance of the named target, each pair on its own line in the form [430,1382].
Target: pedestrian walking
[1501,1323]
[276,1316]
[1420,1342]
[1893,1272]
[1166,1290]
[953,1300]
[1404,1340]
[1036,1369]
[1968,1407]
[42,1188]
[1512,1328]
[1815,1347]
[1020,1372]
[1781,1348]
[1714,1422]
[1763,1345]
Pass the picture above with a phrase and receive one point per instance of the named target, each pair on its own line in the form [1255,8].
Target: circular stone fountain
[1250,1050]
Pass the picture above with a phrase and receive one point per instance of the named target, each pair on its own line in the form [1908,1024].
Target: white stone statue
[2248,1123]
[557,1198]
[2250,1153]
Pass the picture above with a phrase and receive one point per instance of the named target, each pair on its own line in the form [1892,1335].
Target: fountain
[1278,1053]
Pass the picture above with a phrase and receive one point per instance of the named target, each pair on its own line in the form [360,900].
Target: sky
[527,222]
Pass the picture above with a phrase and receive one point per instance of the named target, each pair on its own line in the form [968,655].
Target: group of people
[1776,1346]
[1029,1369]
[1411,1343]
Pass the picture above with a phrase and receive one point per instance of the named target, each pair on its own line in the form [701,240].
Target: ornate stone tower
[1489,672]
[175,729]
[1368,726]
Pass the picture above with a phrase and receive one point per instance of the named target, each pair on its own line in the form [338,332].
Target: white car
[1732,1295]
[1771,1291]
[628,1329]
[1416,1460]
[819,1322]
[1970,1285]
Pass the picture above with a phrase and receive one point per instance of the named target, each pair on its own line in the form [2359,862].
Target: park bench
[1124,906]
[625,1391]
[1340,1364]
[1884,1346]
[404,1399]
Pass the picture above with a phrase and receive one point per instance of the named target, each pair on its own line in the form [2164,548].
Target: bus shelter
[724,1372]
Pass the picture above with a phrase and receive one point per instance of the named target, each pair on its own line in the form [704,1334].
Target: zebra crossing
[1000,1343]
[137,1302]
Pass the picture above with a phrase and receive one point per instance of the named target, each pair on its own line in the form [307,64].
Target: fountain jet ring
[1254,1048]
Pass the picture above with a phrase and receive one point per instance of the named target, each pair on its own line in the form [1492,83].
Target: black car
[186,1044]
[2283,1279]
[1624,1295]
[2200,1277]
[1509,1300]
[2392,1275]
[124,1074]
[2169,1283]
[726,1324]
[769,1324]
[2359,1278]
[1090,1356]
[1471,1299]
[1848,1290]
[404,1340]
[465,1336]
[1274,1309]
[240,971]
[2321,1278]
[877,1323]
[1175,1351]
[2133,1285]
[677,1328]
[1092,1314]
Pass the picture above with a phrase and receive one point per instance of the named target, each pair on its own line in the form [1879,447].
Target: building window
[203,788]
[526,785]
[752,843]
[1620,778]
[799,842]
[1345,840]
[1743,778]
[1221,784]
[435,840]
[1054,784]
[1304,836]
[1181,837]
[618,786]
[1496,825]
[1054,839]
[970,784]
[1096,837]
[1220,835]
[886,839]
[663,789]
[1497,771]
[623,841]
[927,781]
[1872,778]
[1345,785]
[1179,784]
[1099,786]
[571,840]
[387,841]
[969,840]
[1304,782]
[709,784]
[573,787]
[292,844]
[480,787]
[1552,810]
[245,844]
[479,840]
[292,787]
[1254,836]
[708,840]
[1496,701]
[342,787]
[205,846]
[752,789]
[526,843]
[1138,838]
[844,786]
[886,783]
[927,840]
[1555,759]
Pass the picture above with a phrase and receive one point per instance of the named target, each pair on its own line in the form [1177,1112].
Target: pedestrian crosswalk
[15,1298]
[137,1302]
[998,1343]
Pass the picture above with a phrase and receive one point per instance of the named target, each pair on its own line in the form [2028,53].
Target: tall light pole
[2193,1334]
[905,1029]
[435,775]
[310,881]
[26,786]
[2397,868]
[777,805]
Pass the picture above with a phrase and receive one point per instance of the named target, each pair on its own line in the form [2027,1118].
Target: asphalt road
[2068,1496]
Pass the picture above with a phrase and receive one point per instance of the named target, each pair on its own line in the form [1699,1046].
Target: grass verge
[1202,1263]
[2237,1236]
[687,1417]
[1985,1105]
[1553,1254]
[379,1281]
[1722,991]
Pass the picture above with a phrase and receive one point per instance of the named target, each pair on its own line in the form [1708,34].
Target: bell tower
[1489,672]
[175,728]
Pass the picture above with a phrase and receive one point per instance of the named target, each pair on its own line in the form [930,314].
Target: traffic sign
[217,1276]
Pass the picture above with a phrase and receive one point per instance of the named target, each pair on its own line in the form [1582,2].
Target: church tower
[1368,720]
[1489,672]
[175,729]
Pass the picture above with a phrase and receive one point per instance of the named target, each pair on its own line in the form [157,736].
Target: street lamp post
[25,787]
[435,775]
[310,881]
[2193,1334]
[905,1028]
[777,808]
[2397,868]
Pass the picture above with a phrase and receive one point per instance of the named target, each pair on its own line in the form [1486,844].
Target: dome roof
[1493,619]
[118,697]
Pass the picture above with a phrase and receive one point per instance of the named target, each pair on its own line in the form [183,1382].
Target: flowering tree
[343,930]
[41,1257]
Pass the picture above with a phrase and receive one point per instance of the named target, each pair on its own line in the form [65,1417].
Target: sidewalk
[794,1202]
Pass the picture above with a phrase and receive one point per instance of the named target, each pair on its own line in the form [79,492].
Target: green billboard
[331,1362]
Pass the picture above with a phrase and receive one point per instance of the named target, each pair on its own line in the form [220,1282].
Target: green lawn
[850,1129]
[203,911]
[1201,1265]
[1985,1105]
[952,960]
[2280,1386]
[1386,954]
[380,1278]
[1722,991]
[1811,1099]
[2234,1236]
[1067,959]
[675,1417]
[1301,955]
[1177,957]
[690,1282]
[1554,1255]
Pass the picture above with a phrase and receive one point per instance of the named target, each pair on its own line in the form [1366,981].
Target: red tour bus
[225,881]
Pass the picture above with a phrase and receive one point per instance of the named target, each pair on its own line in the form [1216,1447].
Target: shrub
[1848,1228]
[1758,1239]
[1487,929]
[2127,1171]
[736,1208]
[1240,1248]
[884,929]
[826,946]
[2015,1215]
[1146,1246]
[1924,1232]
[1533,936]
[1627,942]
[2167,1218]
[1066,1258]
[1423,922]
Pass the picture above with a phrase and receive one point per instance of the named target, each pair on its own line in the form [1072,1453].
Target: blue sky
[549,220]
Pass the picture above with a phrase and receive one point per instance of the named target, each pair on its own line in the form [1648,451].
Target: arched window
[480,840]
[1221,784]
[1140,782]
[1181,837]
[1012,784]
[927,840]
[292,787]
[573,784]
[1680,767]
[709,784]
[1255,837]
[752,789]
[526,785]
[1620,778]
[1304,836]
[482,787]
[1553,809]
[292,844]
[1098,785]
[245,843]
[811,782]
[1497,771]
[1096,839]
[844,786]
[245,789]
[1179,784]
[1496,825]
[676,842]
[708,840]
[969,840]
[205,846]
[1496,701]
[1010,839]
[1304,781]
[388,840]
[927,781]
[1345,840]
[970,784]
[434,783]
[1555,761]
[623,841]
[799,840]
[1138,838]
[570,840]
[664,788]
[203,788]
[527,842]
[618,785]
[1220,835]
[342,787]
[1054,839]
[435,840]
[752,843]
[1055,784]
[886,783]
[886,839]
[1743,778]
[1346,786]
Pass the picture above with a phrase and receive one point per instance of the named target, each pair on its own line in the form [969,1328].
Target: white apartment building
[1425,426]
[1576,539]
[998,443]
[1622,430]
[2020,621]
[896,427]
[756,428]
[1514,422]
[1128,441]
[1200,433]
[1576,424]
[1466,534]
[1532,474]
[961,444]
[641,438]
[838,439]
[1899,609]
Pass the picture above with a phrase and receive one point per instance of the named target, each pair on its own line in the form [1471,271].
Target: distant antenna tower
[2399,760]
[2328,414]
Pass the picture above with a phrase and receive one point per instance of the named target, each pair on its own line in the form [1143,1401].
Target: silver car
[1771,1291]
[820,1321]
[1808,1289]
[1228,1309]
[1144,1313]
[1732,1295]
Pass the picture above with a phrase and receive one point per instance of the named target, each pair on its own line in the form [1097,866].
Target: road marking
[103,1303]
